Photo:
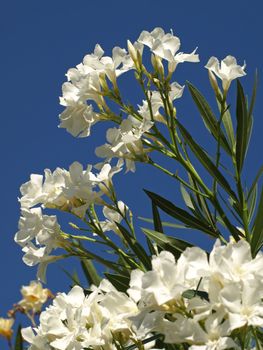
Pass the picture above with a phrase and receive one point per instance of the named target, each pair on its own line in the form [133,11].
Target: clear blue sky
[40,40]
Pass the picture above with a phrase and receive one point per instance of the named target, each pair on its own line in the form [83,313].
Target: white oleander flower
[35,226]
[39,235]
[114,66]
[163,286]
[157,103]
[34,296]
[216,335]
[227,71]
[39,256]
[78,119]
[76,321]
[112,216]
[72,190]
[125,143]
[243,303]
[84,85]
[166,46]
[232,263]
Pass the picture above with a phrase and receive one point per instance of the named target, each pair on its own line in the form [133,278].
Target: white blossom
[157,103]
[112,216]
[243,303]
[44,229]
[125,143]
[39,256]
[232,263]
[72,190]
[34,296]
[161,287]
[166,46]
[76,321]
[227,71]
[83,85]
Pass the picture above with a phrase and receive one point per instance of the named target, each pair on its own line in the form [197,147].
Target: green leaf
[186,197]
[156,218]
[259,334]
[19,339]
[191,293]
[73,277]
[252,203]
[228,125]
[254,93]
[145,341]
[110,264]
[120,282]
[193,205]
[242,127]
[179,213]
[135,247]
[164,223]
[201,202]
[150,245]
[90,272]
[172,244]
[205,161]
[208,117]
[257,230]
[260,172]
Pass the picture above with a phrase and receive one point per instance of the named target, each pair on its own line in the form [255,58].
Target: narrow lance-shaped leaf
[252,203]
[192,205]
[257,230]
[242,127]
[135,247]
[228,125]
[186,197]
[205,161]
[254,184]
[73,277]
[120,282]
[179,213]
[90,272]
[156,218]
[201,201]
[208,117]
[164,223]
[172,244]
[19,339]
[254,94]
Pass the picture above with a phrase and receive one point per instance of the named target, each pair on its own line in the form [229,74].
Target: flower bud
[6,327]
[157,64]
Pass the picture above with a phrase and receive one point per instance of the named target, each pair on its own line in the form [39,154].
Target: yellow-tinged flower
[34,296]
[6,327]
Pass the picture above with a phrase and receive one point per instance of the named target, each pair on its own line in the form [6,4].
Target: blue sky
[41,40]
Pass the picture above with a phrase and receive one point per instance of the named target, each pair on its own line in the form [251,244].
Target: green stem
[243,203]
[258,345]
[177,177]
[218,154]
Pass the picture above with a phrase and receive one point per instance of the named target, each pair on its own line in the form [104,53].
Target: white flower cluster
[232,286]
[227,292]
[74,191]
[166,46]
[125,143]
[76,321]
[85,83]
[84,91]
